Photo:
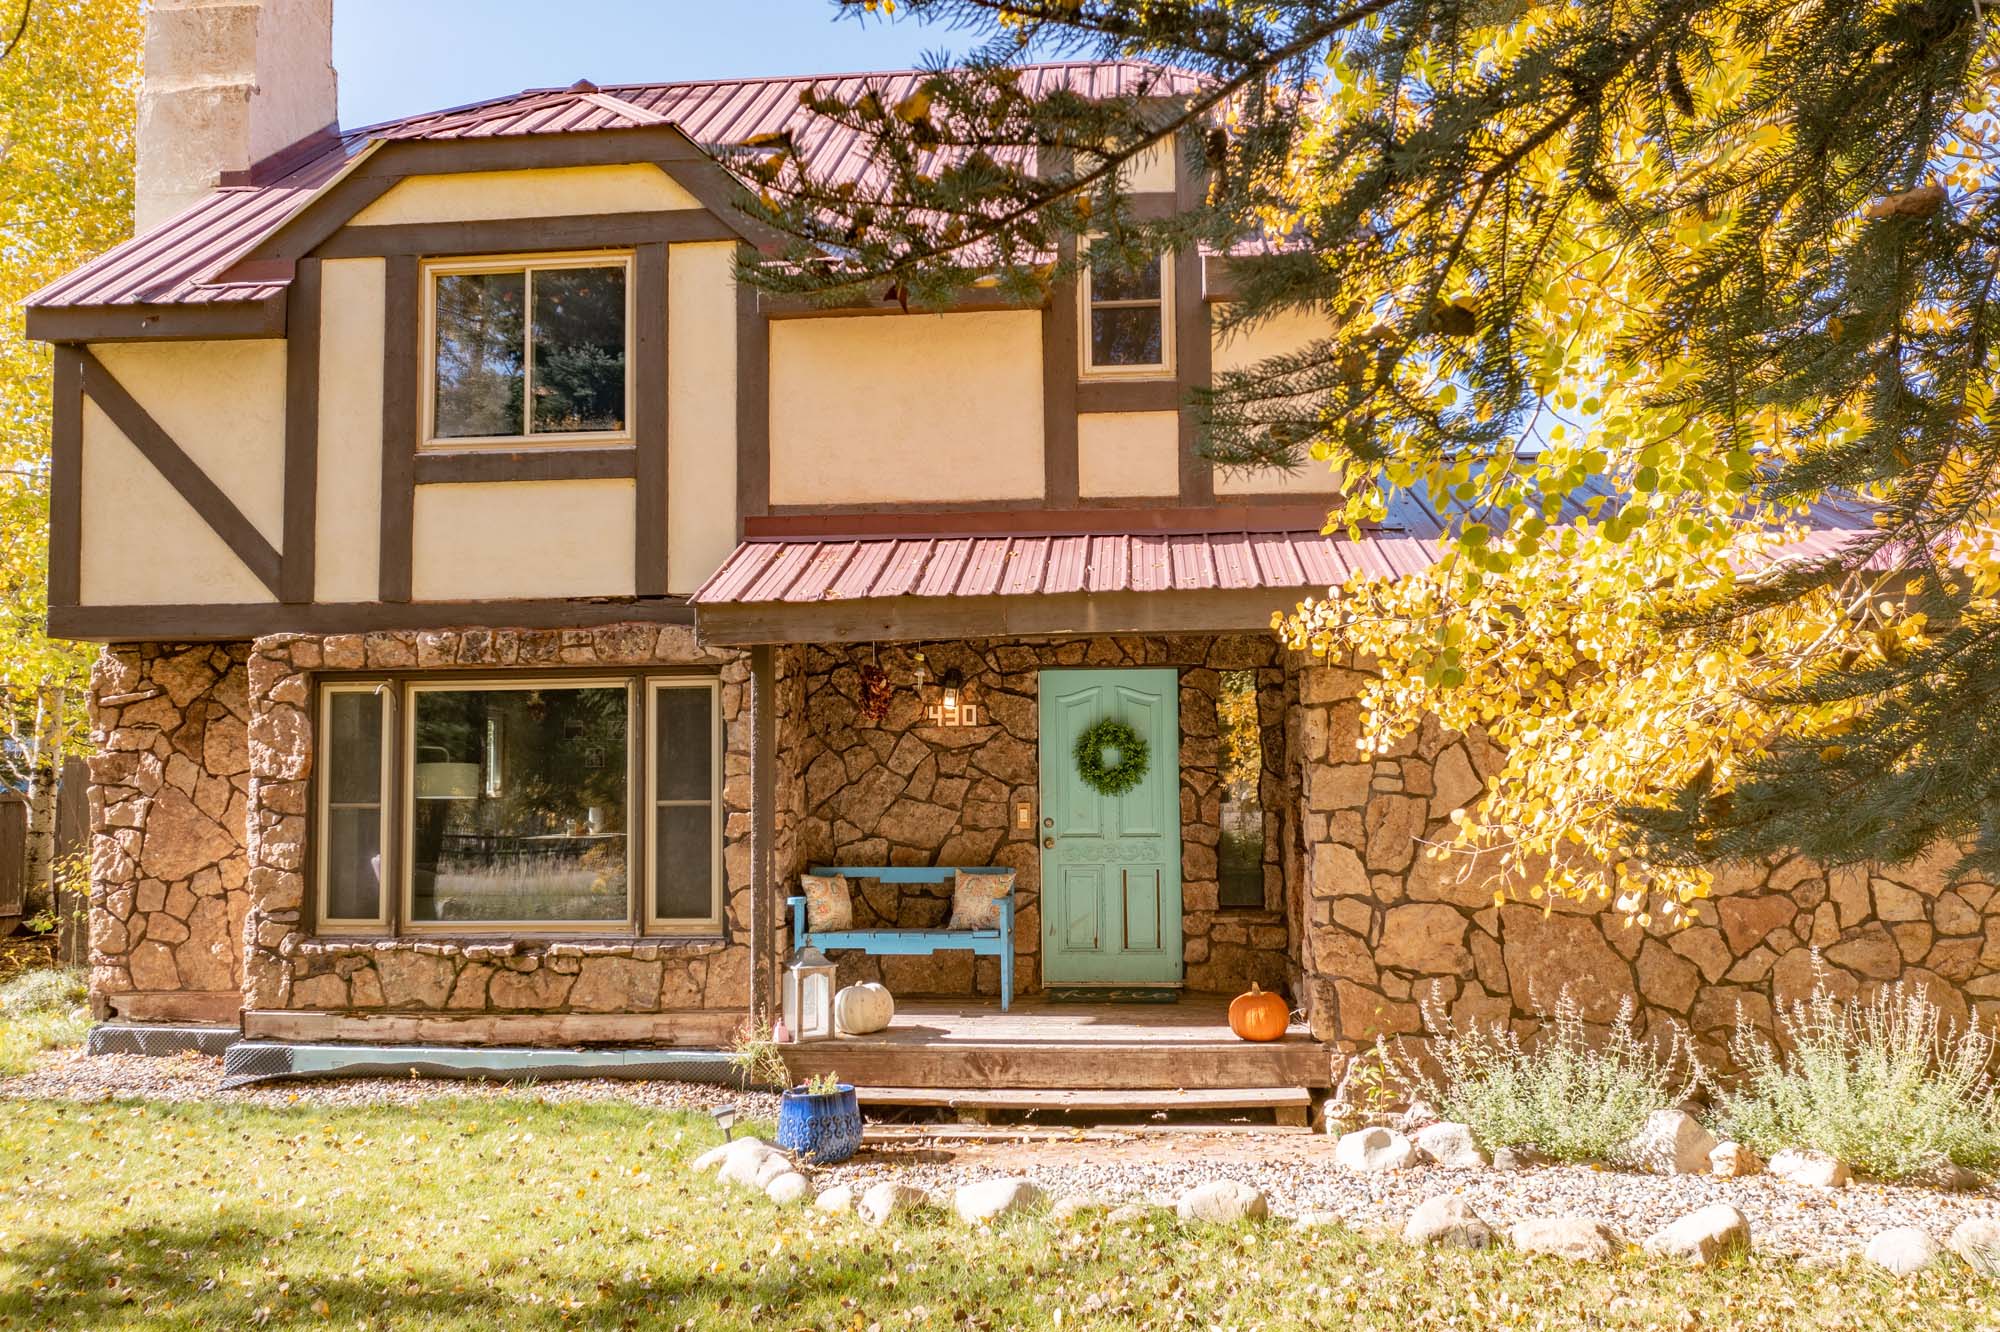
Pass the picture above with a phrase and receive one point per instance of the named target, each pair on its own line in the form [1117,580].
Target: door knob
[1049,842]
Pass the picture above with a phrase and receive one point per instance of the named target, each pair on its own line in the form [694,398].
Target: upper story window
[1128,319]
[529,350]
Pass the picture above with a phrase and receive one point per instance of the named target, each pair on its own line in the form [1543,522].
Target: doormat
[1112,994]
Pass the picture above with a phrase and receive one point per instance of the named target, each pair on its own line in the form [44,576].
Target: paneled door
[1111,865]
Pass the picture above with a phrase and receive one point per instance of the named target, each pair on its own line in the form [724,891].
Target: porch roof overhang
[1142,577]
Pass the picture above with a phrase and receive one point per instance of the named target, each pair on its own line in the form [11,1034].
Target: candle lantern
[808,995]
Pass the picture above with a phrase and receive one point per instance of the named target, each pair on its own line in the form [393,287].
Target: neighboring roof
[177,263]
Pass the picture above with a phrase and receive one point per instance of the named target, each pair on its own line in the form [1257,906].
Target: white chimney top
[228,84]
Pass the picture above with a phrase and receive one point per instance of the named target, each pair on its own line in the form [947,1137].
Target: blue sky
[396,57]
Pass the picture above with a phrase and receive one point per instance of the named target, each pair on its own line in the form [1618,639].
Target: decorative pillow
[975,900]
[829,906]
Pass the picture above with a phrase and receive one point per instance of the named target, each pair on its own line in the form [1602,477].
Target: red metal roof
[177,262]
[821,569]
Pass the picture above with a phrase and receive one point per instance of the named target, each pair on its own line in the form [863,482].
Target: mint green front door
[1111,865]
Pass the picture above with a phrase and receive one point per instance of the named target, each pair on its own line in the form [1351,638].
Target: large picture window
[529,351]
[521,805]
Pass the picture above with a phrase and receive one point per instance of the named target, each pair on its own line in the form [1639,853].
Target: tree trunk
[39,856]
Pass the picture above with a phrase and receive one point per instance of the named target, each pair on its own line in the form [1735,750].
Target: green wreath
[1112,779]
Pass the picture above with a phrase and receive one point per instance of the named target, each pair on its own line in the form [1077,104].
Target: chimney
[228,84]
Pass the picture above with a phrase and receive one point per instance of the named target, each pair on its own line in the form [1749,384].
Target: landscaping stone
[1977,1240]
[1703,1236]
[1450,1145]
[1517,1158]
[772,1166]
[990,1199]
[1673,1142]
[1732,1160]
[1315,1220]
[1419,1115]
[1224,1202]
[1073,1205]
[1373,1149]
[1447,1221]
[1904,1250]
[788,1188]
[1129,1214]
[1813,1169]
[1951,1177]
[838,1200]
[751,1165]
[884,1200]
[1582,1239]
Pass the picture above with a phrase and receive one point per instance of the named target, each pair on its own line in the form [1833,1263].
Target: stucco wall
[348,514]
[287,968]
[701,415]
[1242,348]
[474,196]
[169,798]
[880,408]
[1388,926]
[510,540]
[899,792]
[1125,454]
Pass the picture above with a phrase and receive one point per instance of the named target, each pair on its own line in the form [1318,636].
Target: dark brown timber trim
[1059,392]
[753,407]
[140,323]
[649,425]
[1139,395]
[879,619]
[301,434]
[1192,352]
[566,462]
[66,482]
[1241,515]
[509,235]
[400,367]
[969,300]
[181,472]
[191,623]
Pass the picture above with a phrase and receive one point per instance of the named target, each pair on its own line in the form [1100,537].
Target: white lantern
[808,995]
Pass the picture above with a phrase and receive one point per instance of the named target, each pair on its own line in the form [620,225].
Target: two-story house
[503,606]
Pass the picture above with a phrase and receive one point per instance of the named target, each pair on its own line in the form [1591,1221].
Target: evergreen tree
[1629,284]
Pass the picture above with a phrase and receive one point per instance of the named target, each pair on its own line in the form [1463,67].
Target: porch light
[807,997]
[954,706]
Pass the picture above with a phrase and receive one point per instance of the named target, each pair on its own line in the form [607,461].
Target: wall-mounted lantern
[952,704]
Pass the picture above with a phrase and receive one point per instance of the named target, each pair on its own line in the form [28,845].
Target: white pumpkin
[860,1009]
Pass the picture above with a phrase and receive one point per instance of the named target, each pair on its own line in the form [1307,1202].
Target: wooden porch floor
[943,1043]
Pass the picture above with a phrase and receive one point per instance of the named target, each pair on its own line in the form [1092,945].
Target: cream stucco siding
[349,512]
[522,539]
[478,196]
[1151,172]
[921,408]
[224,404]
[1128,454]
[142,545]
[1244,347]
[701,412]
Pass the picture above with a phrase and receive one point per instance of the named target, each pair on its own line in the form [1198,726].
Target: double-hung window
[1127,318]
[520,805]
[528,351]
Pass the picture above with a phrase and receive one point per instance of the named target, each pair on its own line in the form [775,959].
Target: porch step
[1290,1105]
[1287,1064]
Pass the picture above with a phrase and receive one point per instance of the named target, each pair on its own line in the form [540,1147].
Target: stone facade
[1389,926]
[287,967]
[896,791]
[169,794]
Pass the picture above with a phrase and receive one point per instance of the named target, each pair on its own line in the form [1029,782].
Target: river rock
[1582,1239]
[1702,1236]
[886,1199]
[1813,1169]
[1447,1221]
[1977,1240]
[1733,1160]
[788,1188]
[1904,1250]
[1373,1149]
[990,1199]
[1451,1146]
[1673,1142]
[1223,1202]
[838,1200]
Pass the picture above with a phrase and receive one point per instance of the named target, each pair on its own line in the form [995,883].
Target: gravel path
[1295,1171]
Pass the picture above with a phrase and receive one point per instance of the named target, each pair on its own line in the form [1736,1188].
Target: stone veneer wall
[1389,926]
[899,792]
[288,968]
[169,792]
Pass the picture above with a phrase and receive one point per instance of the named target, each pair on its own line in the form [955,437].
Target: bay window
[520,805]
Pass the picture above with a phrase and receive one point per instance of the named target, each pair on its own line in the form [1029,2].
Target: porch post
[763,794]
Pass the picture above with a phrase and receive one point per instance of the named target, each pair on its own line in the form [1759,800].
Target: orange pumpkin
[1259,1015]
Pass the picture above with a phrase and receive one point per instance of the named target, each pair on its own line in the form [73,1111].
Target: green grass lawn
[509,1214]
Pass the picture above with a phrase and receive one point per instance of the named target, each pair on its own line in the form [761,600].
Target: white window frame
[407,806]
[385,801]
[1085,305]
[526,264]
[712,922]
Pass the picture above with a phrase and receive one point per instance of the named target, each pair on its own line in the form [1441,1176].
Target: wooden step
[1288,1105]
[1100,1067]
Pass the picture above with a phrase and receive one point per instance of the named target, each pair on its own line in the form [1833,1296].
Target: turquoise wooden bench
[881,943]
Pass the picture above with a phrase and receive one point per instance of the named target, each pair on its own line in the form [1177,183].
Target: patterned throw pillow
[829,907]
[975,900]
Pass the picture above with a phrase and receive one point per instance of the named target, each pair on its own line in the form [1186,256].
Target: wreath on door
[1111,757]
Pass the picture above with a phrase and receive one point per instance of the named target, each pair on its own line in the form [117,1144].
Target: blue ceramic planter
[820,1130]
